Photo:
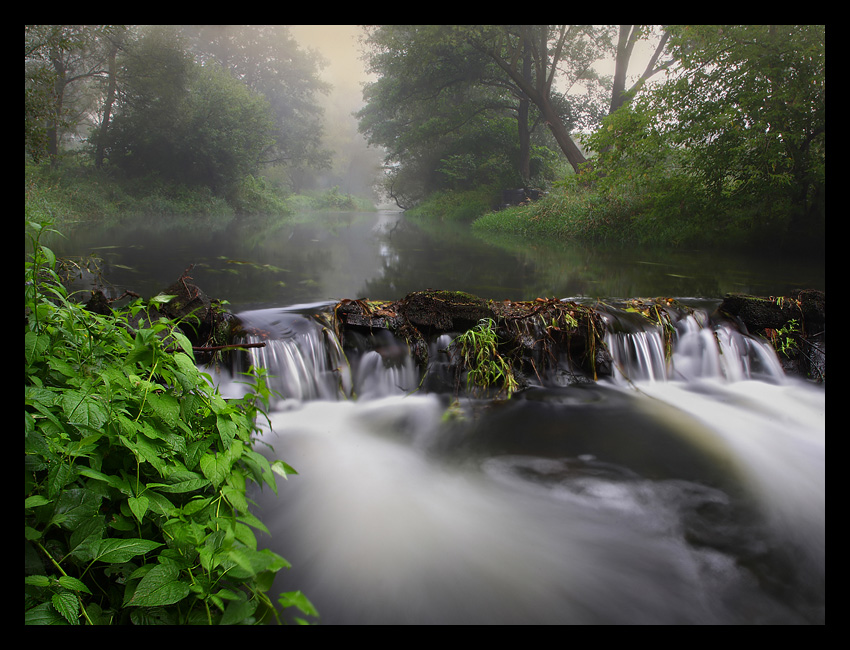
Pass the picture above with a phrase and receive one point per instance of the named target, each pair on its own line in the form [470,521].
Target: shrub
[136,472]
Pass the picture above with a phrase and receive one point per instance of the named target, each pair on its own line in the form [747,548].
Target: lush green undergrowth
[328,200]
[136,472]
[679,217]
[73,194]
[457,205]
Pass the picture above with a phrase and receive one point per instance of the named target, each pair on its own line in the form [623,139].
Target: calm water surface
[316,257]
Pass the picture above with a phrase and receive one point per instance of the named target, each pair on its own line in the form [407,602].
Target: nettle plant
[137,471]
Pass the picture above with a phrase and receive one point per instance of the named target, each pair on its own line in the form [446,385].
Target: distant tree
[629,35]
[446,114]
[187,122]
[61,61]
[270,62]
[562,53]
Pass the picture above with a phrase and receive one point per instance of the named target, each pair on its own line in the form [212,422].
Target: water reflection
[259,262]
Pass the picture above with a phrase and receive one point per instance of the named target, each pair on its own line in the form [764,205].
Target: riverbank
[571,212]
[72,194]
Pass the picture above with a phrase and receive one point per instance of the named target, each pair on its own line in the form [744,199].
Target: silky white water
[681,491]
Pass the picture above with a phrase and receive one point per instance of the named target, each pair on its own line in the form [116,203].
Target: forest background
[717,139]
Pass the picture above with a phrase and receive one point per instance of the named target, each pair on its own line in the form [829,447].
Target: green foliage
[457,206]
[785,339]
[66,193]
[446,114]
[189,123]
[567,213]
[329,200]
[254,195]
[136,472]
[477,353]
[732,145]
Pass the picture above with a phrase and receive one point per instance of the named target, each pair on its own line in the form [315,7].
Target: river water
[681,491]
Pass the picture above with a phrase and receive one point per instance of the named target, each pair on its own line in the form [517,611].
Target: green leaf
[189,485]
[238,610]
[35,501]
[84,409]
[37,581]
[227,429]
[122,550]
[43,614]
[73,584]
[299,600]
[67,604]
[165,406]
[34,346]
[215,467]
[162,299]
[76,506]
[282,469]
[117,482]
[86,537]
[138,506]
[235,497]
[159,587]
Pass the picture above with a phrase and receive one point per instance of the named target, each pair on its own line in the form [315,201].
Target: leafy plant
[784,339]
[136,472]
[477,353]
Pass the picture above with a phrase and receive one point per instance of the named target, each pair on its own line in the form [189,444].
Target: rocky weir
[518,341]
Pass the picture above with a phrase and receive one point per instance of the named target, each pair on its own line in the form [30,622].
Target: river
[689,494]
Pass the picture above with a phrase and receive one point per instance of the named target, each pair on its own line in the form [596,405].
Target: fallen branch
[213,348]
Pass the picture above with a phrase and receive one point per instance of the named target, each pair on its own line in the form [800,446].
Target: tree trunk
[522,124]
[574,155]
[107,106]
[56,109]
[625,45]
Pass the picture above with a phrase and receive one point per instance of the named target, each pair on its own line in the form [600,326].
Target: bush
[457,205]
[136,471]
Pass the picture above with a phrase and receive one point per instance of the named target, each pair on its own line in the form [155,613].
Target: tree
[268,61]
[429,96]
[568,49]
[187,122]
[740,120]
[628,37]
[60,60]
[442,108]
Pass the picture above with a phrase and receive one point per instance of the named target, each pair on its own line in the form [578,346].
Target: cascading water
[687,489]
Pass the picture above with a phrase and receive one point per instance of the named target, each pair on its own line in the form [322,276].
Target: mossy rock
[444,311]
[760,313]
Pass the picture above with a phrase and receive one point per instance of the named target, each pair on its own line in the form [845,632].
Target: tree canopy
[203,105]
[736,133]
[446,96]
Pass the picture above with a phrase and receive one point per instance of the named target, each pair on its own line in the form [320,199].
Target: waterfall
[696,349]
[301,355]
[689,488]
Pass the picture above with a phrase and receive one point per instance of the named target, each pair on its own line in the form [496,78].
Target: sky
[339,45]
